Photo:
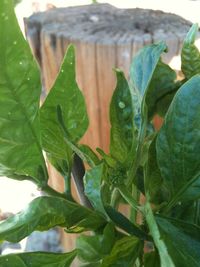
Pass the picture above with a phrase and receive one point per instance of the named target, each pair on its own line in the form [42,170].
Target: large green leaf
[66,95]
[178,144]
[124,253]
[143,66]
[20,149]
[94,248]
[92,184]
[141,73]
[44,213]
[122,135]
[153,180]
[190,55]
[122,222]
[182,241]
[38,259]
[162,83]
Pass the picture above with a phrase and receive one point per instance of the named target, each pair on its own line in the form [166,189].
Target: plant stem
[133,212]
[51,192]
[114,198]
[134,167]
[166,260]
[129,198]
[68,194]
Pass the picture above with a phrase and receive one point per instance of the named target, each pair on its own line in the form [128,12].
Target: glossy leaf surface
[124,253]
[182,241]
[94,248]
[122,222]
[66,95]
[144,65]
[122,133]
[162,83]
[153,181]
[20,149]
[190,56]
[92,184]
[178,144]
[44,213]
[38,259]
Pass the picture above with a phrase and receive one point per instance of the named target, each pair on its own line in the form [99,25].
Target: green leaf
[162,83]
[165,258]
[151,259]
[90,155]
[20,149]
[94,248]
[44,213]
[124,253]
[122,135]
[153,180]
[178,144]
[37,259]
[144,65]
[142,69]
[190,55]
[96,264]
[182,241]
[65,94]
[122,222]
[92,184]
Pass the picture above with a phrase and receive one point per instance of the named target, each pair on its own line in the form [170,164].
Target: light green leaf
[122,135]
[124,253]
[92,184]
[38,259]
[44,213]
[94,248]
[66,95]
[182,241]
[20,149]
[178,144]
[190,55]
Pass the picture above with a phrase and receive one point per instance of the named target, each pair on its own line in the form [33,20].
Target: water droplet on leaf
[121,105]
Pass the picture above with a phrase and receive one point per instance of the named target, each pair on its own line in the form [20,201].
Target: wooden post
[105,37]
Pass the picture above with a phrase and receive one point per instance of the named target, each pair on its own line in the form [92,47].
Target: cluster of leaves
[162,165]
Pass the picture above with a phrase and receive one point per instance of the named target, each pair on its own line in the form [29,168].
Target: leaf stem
[52,192]
[114,198]
[136,162]
[166,260]
[67,179]
[129,198]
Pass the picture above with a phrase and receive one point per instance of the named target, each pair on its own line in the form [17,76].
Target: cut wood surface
[105,38]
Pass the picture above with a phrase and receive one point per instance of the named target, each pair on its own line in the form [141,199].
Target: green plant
[162,165]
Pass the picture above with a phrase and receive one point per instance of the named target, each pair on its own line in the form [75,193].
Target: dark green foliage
[164,166]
